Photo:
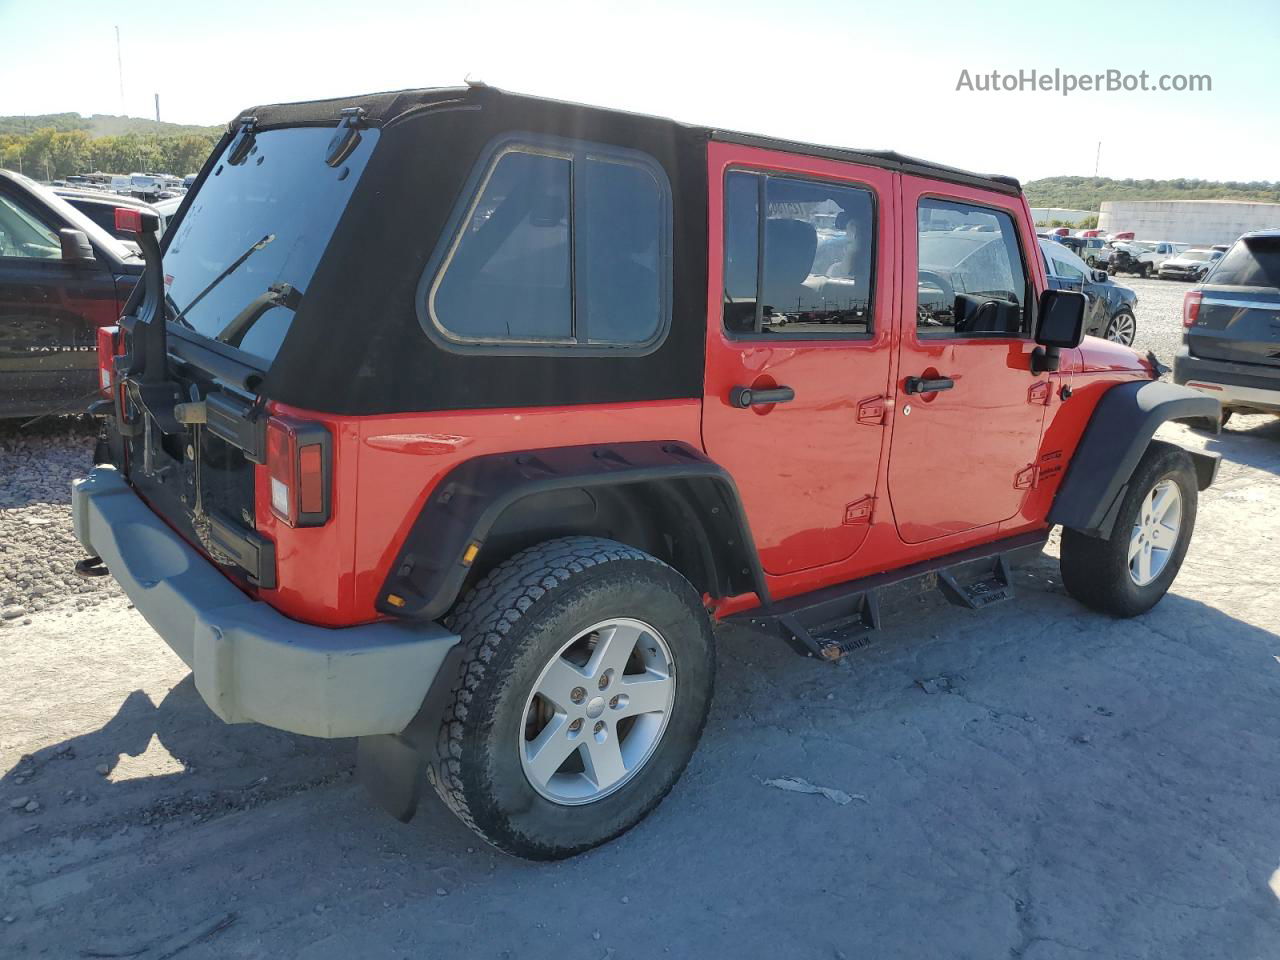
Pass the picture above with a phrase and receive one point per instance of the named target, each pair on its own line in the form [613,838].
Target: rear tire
[1107,575]
[558,607]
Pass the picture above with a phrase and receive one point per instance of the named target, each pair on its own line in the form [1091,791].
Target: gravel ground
[1159,315]
[1032,781]
[38,549]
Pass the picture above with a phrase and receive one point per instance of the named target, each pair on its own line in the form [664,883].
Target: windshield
[1195,255]
[283,190]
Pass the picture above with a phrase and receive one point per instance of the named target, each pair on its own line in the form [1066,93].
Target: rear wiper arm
[258,245]
[277,295]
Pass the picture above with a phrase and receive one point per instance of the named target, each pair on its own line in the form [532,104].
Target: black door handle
[747,397]
[921,385]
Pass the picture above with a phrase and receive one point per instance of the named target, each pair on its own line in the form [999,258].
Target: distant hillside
[100,125]
[1086,193]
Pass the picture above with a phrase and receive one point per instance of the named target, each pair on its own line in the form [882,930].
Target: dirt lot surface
[1031,781]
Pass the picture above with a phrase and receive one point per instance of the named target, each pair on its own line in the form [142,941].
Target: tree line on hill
[1087,193]
[50,154]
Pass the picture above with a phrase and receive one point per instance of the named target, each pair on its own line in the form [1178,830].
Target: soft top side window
[971,279]
[559,245]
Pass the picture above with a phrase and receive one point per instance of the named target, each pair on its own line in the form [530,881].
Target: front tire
[1127,573]
[584,688]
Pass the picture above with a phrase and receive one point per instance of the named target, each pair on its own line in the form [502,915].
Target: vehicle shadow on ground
[153,761]
[1250,440]
[1029,780]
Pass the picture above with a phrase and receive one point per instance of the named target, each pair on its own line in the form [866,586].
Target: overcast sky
[877,75]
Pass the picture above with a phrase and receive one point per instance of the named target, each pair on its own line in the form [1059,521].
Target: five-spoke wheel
[597,711]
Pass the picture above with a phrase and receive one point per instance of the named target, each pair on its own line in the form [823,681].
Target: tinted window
[283,203]
[510,272]
[102,215]
[1251,262]
[798,256]
[564,244]
[22,235]
[971,281]
[621,222]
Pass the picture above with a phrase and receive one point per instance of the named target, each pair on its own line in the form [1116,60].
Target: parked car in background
[166,209]
[1111,309]
[1231,346]
[61,277]
[101,209]
[1122,235]
[1095,252]
[1143,257]
[1190,265]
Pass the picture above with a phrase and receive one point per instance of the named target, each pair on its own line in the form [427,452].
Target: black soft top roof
[381,109]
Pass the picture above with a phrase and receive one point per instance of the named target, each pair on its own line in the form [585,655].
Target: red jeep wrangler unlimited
[452,420]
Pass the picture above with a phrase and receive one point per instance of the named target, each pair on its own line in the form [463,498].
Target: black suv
[1231,349]
[61,277]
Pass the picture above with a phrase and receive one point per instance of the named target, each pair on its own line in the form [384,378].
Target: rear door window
[799,257]
[565,245]
[1251,262]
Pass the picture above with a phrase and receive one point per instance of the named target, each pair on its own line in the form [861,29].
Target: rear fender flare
[668,494]
[1121,428]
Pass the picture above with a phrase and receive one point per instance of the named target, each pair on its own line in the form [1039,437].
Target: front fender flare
[1122,425]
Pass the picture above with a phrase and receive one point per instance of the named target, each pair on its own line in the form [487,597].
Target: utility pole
[120,71]
[157,113]
[1097,157]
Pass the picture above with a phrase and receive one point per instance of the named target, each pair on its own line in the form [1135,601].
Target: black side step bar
[837,620]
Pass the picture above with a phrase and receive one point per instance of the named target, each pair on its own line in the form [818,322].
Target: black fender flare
[1121,427]
[457,519]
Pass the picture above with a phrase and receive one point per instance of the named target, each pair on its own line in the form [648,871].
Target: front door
[969,411]
[800,315]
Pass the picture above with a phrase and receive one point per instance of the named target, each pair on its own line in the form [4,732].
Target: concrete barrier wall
[1201,222]
[1046,214]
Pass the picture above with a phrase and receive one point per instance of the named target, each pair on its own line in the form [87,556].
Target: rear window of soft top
[284,199]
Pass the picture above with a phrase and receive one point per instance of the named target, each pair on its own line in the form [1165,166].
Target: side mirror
[1061,326]
[75,246]
[1099,276]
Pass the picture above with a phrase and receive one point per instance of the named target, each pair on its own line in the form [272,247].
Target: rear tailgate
[1239,317]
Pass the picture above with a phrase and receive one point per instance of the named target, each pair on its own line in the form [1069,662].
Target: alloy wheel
[1155,534]
[1122,329]
[597,712]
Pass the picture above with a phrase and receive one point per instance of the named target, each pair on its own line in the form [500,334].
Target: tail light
[108,338]
[299,463]
[1191,307]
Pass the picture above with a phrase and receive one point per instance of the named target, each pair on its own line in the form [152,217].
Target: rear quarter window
[559,245]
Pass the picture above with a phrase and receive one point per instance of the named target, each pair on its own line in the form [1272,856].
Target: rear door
[964,449]
[801,302]
[1239,318]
